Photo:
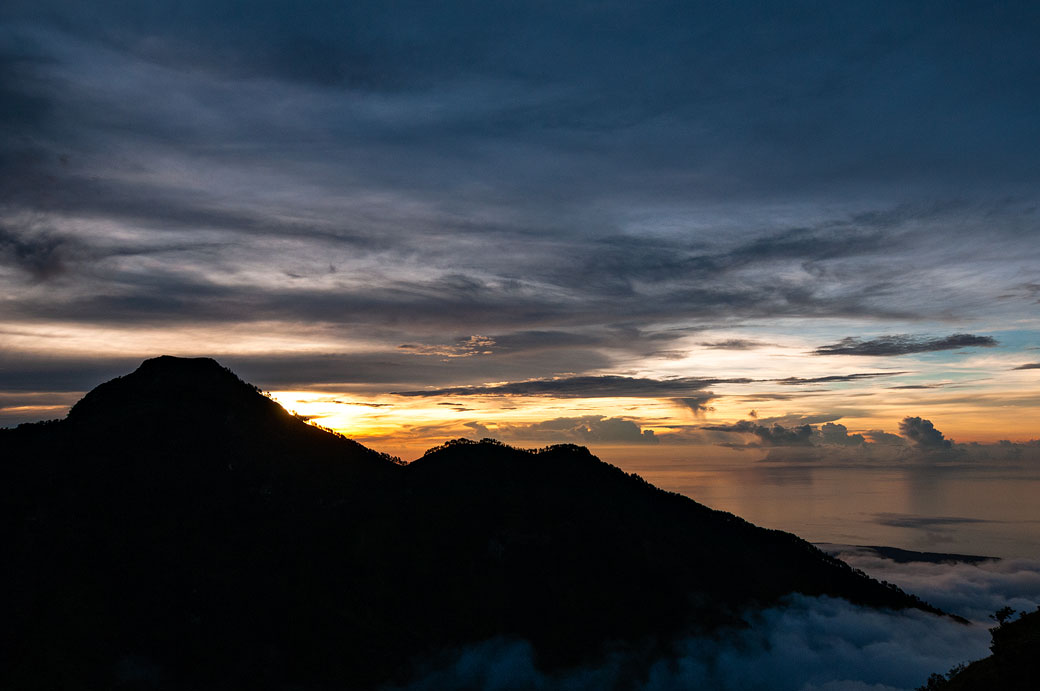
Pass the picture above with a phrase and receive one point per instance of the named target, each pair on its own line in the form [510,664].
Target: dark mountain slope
[180,529]
[1013,666]
[568,551]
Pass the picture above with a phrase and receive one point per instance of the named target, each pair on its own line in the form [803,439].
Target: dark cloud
[732,344]
[1029,365]
[605,386]
[835,378]
[697,404]
[922,434]
[42,257]
[917,386]
[578,182]
[903,344]
[613,385]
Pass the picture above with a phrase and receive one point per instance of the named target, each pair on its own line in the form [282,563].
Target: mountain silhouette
[179,529]
[1013,666]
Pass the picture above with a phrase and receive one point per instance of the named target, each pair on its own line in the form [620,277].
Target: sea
[970,508]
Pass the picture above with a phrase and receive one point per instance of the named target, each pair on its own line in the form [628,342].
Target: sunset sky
[614,224]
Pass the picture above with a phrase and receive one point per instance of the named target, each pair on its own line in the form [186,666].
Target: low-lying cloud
[973,591]
[804,644]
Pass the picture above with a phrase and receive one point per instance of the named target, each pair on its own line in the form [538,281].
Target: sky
[773,226]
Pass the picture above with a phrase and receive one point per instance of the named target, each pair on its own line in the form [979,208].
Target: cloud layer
[808,644]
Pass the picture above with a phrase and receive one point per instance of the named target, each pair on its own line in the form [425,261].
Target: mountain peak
[172,363]
[184,372]
[171,391]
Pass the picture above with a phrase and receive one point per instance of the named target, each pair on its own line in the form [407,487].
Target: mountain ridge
[194,524]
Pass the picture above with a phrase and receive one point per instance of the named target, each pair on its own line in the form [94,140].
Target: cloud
[918,386]
[775,435]
[923,434]
[479,429]
[794,439]
[883,438]
[836,434]
[42,256]
[971,590]
[1029,365]
[580,185]
[590,429]
[804,644]
[732,344]
[603,386]
[792,381]
[796,431]
[796,419]
[620,386]
[464,347]
[903,344]
[697,404]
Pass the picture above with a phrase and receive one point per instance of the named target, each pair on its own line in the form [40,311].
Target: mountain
[179,529]
[1013,666]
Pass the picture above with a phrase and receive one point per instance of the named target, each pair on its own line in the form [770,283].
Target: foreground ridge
[179,528]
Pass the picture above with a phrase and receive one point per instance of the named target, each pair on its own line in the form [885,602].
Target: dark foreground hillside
[178,529]
[1013,666]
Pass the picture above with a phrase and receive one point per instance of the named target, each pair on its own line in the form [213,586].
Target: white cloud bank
[807,644]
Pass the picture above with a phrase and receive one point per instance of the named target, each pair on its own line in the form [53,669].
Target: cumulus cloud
[801,439]
[923,434]
[903,344]
[837,434]
[796,431]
